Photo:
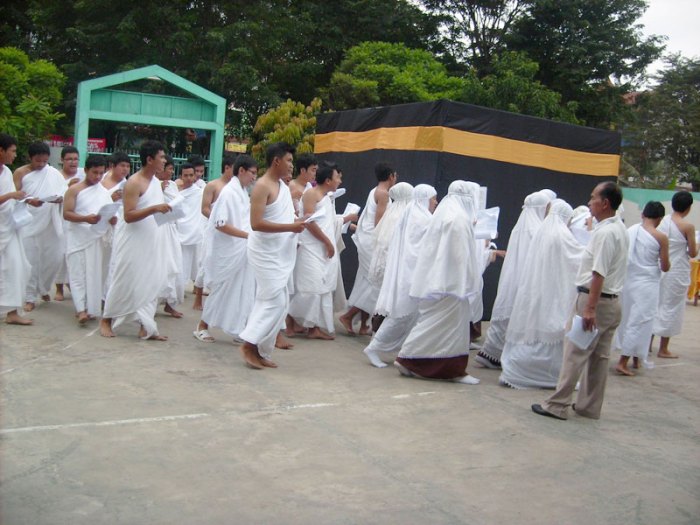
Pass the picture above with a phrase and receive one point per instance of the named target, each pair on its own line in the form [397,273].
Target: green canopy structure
[98,101]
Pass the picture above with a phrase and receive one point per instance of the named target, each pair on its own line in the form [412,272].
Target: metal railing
[178,158]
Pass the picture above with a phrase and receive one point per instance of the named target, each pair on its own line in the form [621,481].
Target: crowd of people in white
[267,250]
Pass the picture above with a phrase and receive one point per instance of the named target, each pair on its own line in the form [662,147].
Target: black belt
[583,289]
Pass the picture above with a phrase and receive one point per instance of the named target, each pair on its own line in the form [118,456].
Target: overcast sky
[679,20]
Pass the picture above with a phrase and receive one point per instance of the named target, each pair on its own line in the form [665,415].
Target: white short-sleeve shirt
[606,254]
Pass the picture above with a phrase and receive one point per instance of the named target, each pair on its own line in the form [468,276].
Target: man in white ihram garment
[85,249]
[394,302]
[14,266]
[190,227]
[138,276]
[272,247]
[675,282]
[534,210]
[535,337]
[647,259]
[43,236]
[228,274]
[316,270]
[446,275]
[363,297]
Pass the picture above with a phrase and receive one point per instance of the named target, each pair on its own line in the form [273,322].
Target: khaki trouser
[590,365]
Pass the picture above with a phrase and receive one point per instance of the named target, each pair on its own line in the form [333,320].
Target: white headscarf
[401,195]
[551,195]
[447,264]
[405,245]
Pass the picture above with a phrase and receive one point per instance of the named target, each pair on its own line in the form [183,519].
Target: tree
[290,122]
[590,51]
[29,94]
[663,134]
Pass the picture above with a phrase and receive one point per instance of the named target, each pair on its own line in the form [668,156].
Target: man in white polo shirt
[599,282]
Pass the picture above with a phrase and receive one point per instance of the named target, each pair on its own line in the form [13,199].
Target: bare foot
[364,330]
[317,333]
[14,318]
[251,356]
[624,371]
[282,343]
[28,306]
[197,304]
[83,318]
[58,296]
[46,298]
[347,324]
[667,355]
[268,363]
[142,335]
[635,362]
[170,310]
[106,328]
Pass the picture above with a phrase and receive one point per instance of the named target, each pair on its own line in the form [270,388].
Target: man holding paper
[85,251]
[599,283]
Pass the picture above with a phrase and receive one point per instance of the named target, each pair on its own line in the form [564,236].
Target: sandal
[204,336]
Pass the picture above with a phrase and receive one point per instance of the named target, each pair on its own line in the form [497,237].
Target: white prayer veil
[530,219]
[447,264]
[578,224]
[403,251]
[545,297]
[551,195]
[401,195]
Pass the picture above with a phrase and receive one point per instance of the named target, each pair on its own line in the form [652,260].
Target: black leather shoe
[537,409]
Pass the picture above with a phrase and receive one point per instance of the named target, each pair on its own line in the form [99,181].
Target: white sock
[374,358]
[467,380]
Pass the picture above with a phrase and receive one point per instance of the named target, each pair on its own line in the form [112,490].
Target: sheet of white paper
[320,214]
[106,213]
[483,193]
[487,223]
[578,336]
[349,208]
[20,215]
[51,198]
[337,193]
[172,216]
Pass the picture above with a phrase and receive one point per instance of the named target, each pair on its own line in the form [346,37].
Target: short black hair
[654,210]
[196,160]
[38,148]
[681,201]
[228,160]
[68,149]
[119,156]
[149,148]
[186,166]
[277,150]
[325,172]
[244,161]
[7,141]
[383,171]
[611,192]
[169,161]
[94,161]
[305,161]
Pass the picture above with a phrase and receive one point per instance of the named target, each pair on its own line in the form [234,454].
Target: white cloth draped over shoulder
[364,294]
[173,293]
[272,257]
[401,195]
[14,266]
[534,346]
[229,276]
[139,274]
[640,294]
[85,252]
[674,283]
[40,184]
[191,227]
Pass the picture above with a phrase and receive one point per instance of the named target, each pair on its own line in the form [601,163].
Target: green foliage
[29,92]
[663,132]
[290,122]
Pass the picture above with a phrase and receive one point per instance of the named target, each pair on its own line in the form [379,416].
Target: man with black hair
[675,282]
[190,227]
[14,266]
[363,297]
[272,246]
[599,283]
[138,275]
[43,236]
[200,168]
[306,166]
[115,179]
[85,250]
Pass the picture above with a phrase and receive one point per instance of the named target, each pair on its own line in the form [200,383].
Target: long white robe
[532,355]
[364,293]
[316,275]
[173,292]
[640,294]
[85,252]
[139,274]
[191,231]
[230,277]
[516,254]
[43,237]
[14,266]
[674,283]
[272,257]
